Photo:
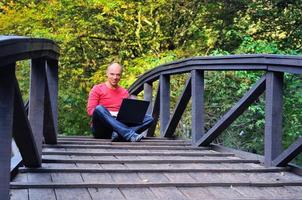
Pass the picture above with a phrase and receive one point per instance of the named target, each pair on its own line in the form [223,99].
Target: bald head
[114,66]
[114,73]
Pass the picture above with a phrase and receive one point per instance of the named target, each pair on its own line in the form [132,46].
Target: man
[104,102]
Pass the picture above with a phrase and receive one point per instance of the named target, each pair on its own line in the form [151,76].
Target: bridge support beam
[197,105]
[7,74]
[50,131]
[273,117]
[36,100]
[164,83]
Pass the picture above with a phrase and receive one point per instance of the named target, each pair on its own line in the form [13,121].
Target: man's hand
[132,96]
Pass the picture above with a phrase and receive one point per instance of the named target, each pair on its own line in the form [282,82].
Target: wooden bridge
[50,166]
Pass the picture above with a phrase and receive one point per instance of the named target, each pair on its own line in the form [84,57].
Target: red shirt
[107,97]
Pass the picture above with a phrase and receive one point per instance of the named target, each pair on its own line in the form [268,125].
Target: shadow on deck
[156,168]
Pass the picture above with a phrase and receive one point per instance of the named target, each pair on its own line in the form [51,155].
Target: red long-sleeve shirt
[107,97]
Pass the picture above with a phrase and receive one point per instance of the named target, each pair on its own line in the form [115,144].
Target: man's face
[114,74]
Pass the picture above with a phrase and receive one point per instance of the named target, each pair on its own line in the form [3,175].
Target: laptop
[132,111]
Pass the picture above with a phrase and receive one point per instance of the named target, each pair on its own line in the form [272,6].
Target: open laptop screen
[132,111]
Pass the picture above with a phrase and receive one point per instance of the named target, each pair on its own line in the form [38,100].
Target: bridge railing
[40,124]
[271,83]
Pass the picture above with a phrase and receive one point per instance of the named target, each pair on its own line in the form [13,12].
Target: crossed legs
[104,124]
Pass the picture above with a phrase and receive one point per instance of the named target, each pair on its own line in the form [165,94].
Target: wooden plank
[197,193]
[225,193]
[164,84]
[20,185]
[91,168]
[233,113]
[273,117]
[66,178]
[153,177]
[73,194]
[179,109]
[147,161]
[197,154]
[127,143]
[22,133]
[197,105]
[36,100]
[45,194]
[97,177]
[168,193]
[138,147]
[106,194]
[50,131]
[290,153]
[6,125]
[126,178]
[180,177]
[17,194]
[140,193]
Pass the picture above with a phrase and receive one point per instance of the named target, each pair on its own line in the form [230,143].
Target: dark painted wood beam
[20,185]
[50,131]
[253,94]
[36,100]
[179,109]
[22,133]
[273,116]
[197,105]
[164,114]
[154,113]
[289,154]
[148,90]
[7,74]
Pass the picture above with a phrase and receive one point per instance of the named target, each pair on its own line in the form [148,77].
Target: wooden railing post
[7,74]
[36,100]
[273,116]
[197,105]
[50,131]
[148,95]
[164,116]
[154,113]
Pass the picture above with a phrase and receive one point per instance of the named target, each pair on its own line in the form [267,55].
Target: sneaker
[114,137]
[137,138]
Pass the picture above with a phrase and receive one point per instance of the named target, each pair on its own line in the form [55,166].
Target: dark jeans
[103,124]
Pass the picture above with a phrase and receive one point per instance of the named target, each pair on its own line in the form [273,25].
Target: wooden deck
[155,168]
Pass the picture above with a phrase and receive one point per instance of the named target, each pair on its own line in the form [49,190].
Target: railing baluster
[6,125]
[50,131]
[179,109]
[36,100]
[148,95]
[197,105]
[164,82]
[273,116]
[155,114]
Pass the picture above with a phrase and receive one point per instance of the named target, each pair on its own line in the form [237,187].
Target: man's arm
[93,100]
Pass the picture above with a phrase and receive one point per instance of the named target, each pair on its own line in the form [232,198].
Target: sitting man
[104,102]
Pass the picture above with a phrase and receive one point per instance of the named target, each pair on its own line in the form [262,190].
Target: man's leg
[148,120]
[103,116]
[100,129]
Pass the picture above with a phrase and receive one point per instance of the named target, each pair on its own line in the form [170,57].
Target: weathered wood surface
[144,173]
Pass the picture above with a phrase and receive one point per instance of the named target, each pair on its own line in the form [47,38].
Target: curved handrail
[252,62]
[15,48]
[271,82]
